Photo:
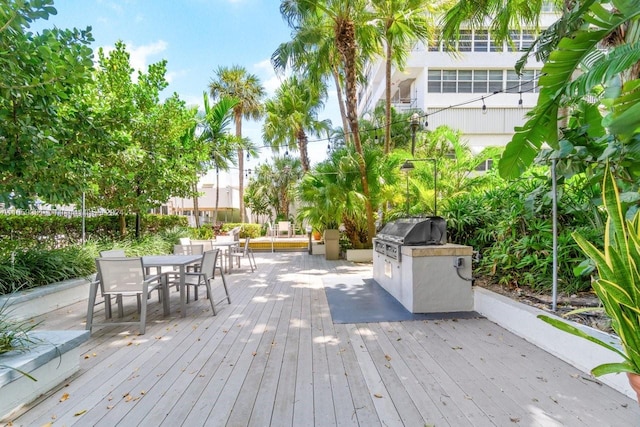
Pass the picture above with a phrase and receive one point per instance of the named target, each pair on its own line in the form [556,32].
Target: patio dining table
[179,261]
[228,244]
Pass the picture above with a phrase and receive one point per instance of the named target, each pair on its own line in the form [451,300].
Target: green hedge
[50,232]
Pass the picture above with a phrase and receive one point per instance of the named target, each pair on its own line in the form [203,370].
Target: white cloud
[140,54]
[268,77]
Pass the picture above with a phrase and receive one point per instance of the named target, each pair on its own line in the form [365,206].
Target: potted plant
[617,284]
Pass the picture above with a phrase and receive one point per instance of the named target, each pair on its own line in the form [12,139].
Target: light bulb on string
[520,105]
[484,106]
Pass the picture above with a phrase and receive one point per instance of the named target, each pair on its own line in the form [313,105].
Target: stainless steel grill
[410,232]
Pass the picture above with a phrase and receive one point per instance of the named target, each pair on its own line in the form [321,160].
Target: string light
[520,101]
[450,107]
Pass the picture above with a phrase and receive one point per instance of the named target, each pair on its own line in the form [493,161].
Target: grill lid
[415,231]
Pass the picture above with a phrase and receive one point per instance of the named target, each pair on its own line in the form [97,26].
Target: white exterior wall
[479,130]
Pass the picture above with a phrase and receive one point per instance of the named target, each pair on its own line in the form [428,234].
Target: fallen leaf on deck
[43,425]
[379,396]
[514,420]
[386,356]
[64,397]
[77,414]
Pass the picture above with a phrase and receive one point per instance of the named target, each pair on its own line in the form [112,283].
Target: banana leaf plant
[618,281]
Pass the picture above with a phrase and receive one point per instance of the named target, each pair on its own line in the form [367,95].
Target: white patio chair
[122,277]
[185,241]
[205,276]
[189,249]
[284,227]
[113,253]
[244,252]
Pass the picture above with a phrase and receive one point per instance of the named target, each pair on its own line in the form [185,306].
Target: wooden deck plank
[493,401]
[284,398]
[200,370]
[442,385]
[361,398]
[261,376]
[430,411]
[323,409]
[303,404]
[384,406]
[529,374]
[165,383]
[214,405]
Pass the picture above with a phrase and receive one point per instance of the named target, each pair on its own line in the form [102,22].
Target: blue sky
[195,37]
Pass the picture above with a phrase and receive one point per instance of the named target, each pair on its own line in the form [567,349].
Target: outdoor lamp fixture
[414,122]
[408,166]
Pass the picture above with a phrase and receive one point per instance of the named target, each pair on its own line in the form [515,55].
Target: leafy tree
[292,115]
[235,82]
[400,24]
[40,73]
[149,157]
[273,185]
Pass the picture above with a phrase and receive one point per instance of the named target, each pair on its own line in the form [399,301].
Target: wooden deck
[274,358]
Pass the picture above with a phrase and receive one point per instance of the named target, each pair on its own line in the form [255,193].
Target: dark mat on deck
[365,301]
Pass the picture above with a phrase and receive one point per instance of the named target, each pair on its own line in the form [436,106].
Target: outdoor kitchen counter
[426,279]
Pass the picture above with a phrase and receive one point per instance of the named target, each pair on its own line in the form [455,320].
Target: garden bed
[53,358]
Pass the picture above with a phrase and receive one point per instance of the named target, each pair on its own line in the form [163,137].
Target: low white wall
[522,320]
[54,358]
[43,299]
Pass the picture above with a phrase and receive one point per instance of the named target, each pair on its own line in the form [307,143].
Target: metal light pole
[408,166]
[414,123]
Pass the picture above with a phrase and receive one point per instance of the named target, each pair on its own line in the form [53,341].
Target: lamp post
[408,166]
[414,122]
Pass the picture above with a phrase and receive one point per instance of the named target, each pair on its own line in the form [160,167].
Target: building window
[465,81]
[481,41]
[464,43]
[481,81]
[485,166]
[527,82]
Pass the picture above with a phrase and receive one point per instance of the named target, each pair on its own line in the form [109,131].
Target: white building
[450,86]
[228,199]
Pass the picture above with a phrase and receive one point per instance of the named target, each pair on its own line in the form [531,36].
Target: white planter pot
[360,255]
[317,248]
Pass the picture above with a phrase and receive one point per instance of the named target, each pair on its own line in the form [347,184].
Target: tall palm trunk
[387,112]
[238,120]
[346,43]
[302,147]
[343,112]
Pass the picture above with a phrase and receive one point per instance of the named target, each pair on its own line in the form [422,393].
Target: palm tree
[312,51]
[400,23]
[350,23]
[292,115]
[246,88]
[223,147]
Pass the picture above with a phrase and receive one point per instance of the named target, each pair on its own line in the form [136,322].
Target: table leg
[165,294]
[183,305]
